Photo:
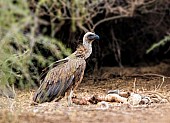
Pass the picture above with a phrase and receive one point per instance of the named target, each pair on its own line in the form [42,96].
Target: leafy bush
[24,52]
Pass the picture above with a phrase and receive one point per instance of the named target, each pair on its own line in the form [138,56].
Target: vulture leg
[69,98]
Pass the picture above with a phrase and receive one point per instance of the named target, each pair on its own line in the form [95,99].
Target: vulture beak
[97,37]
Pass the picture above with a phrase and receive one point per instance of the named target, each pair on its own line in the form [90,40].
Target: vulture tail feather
[52,91]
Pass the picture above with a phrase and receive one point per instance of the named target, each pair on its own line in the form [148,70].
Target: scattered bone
[80,101]
[145,100]
[108,98]
[103,105]
[120,93]
[118,96]
[134,99]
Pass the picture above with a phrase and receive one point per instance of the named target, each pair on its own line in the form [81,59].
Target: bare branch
[108,19]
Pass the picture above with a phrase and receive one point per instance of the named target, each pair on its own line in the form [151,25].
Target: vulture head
[89,37]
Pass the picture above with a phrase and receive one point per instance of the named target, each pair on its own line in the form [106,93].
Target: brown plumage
[67,75]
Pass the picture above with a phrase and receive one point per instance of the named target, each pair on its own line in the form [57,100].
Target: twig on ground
[157,75]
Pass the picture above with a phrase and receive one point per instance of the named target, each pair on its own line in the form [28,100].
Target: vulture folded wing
[54,64]
[59,79]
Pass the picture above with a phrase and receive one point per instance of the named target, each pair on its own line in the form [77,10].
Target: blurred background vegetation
[35,33]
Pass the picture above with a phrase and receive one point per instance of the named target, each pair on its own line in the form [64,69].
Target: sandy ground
[19,110]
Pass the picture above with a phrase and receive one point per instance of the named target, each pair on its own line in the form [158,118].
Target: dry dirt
[144,79]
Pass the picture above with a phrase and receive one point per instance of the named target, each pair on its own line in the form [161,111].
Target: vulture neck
[83,51]
[88,47]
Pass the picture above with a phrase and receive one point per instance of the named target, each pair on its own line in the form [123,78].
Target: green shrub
[24,52]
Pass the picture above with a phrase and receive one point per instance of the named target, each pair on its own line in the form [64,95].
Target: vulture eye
[92,37]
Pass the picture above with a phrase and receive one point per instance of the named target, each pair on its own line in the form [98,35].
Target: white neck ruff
[89,48]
